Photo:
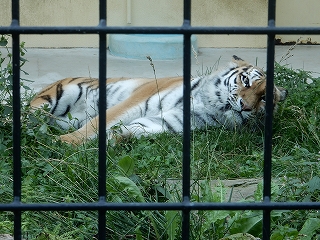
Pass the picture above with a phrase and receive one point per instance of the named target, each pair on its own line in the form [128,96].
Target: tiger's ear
[239,61]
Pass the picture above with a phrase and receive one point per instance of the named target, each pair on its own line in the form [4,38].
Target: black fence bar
[266,223]
[186,121]
[186,134]
[102,119]
[16,132]
[160,30]
[159,206]
[16,119]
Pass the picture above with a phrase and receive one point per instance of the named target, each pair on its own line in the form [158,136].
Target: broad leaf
[314,184]
[250,222]
[309,228]
[128,186]
[127,165]
[172,218]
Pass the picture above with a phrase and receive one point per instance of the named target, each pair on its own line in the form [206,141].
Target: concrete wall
[160,13]
[300,14]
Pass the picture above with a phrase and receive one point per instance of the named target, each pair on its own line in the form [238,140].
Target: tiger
[229,97]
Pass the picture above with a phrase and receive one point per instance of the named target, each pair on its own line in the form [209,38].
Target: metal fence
[16,206]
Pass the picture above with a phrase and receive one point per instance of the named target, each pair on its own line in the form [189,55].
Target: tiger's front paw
[72,138]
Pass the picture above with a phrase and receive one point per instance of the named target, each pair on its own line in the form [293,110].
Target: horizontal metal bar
[158,206]
[157,30]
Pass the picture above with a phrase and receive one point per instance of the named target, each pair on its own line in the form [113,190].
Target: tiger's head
[249,91]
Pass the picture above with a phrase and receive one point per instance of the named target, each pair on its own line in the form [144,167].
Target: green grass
[143,171]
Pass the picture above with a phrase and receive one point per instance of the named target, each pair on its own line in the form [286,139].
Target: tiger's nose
[244,106]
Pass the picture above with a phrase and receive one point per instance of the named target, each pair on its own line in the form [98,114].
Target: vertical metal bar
[186,136]
[187,12]
[268,120]
[102,119]
[186,121]
[16,118]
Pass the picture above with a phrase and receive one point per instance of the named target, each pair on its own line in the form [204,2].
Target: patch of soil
[235,190]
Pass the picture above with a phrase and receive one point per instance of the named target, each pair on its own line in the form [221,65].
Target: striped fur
[229,97]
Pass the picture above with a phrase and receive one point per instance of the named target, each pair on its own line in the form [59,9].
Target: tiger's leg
[140,127]
[88,131]
[170,121]
[233,119]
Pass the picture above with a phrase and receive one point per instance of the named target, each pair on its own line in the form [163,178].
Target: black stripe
[141,112]
[213,117]
[80,93]
[237,58]
[135,123]
[178,118]
[73,79]
[160,101]
[80,124]
[59,93]
[66,112]
[178,102]
[260,73]
[217,82]
[112,90]
[48,88]
[198,117]
[228,71]
[196,84]
[235,80]
[227,80]
[242,119]
[236,71]
[169,126]
[147,105]
[47,98]
[228,106]
[164,97]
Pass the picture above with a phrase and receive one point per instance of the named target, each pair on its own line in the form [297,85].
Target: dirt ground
[235,190]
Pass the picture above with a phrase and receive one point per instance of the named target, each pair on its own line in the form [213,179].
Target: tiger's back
[79,97]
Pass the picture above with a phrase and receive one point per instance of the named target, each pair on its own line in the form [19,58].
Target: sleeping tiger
[230,97]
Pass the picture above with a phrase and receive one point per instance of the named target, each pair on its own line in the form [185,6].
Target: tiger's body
[229,97]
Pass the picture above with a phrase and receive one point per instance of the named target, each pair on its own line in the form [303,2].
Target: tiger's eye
[246,81]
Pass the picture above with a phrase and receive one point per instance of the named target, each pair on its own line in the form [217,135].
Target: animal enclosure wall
[162,13]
